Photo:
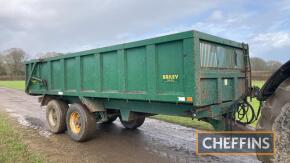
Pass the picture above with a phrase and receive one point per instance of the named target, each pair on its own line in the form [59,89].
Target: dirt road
[155,141]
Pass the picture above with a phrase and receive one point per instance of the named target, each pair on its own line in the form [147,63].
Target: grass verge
[12,149]
[184,121]
[19,84]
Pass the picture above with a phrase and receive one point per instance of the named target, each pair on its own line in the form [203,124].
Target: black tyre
[81,124]
[55,116]
[275,116]
[133,124]
[110,120]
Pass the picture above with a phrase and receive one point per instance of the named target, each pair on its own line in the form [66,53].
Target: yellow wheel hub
[75,122]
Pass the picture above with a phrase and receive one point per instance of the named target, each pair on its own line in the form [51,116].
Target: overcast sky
[40,26]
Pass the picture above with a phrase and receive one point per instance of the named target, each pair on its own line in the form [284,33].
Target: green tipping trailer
[184,74]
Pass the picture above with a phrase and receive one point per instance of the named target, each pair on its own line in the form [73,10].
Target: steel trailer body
[185,74]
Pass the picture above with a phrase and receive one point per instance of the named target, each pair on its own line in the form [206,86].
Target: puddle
[30,122]
[178,143]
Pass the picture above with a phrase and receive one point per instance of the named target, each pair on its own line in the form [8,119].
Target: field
[20,84]
[12,149]
[172,119]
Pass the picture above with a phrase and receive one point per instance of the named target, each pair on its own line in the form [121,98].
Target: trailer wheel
[111,120]
[81,124]
[133,124]
[55,116]
[275,116]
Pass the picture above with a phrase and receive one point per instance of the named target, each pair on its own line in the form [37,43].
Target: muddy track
[155,141]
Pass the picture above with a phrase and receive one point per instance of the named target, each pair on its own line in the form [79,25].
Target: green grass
[184,121]
[258,83]
[20,84]
[255,103]
[12,148]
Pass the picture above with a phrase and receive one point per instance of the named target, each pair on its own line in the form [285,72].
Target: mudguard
[274,81]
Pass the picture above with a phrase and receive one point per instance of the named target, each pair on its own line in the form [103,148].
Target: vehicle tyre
[81,124]
[55,116]
[133,124]
[110,120]
[275,116]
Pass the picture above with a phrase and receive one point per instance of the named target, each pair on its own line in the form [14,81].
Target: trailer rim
[52,117]
[75,123]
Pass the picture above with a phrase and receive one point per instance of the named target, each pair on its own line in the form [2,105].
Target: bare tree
[258,64]
[14,61]
[2,66]
[273,65]
[49,54]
